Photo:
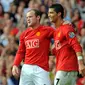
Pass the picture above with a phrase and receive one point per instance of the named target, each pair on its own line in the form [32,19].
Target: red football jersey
[34,47]
[66,45]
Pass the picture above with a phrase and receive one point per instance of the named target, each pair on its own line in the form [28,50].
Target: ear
[38,17]
[59,14]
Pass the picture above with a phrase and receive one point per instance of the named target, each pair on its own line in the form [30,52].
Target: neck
[35,26]
[58,22]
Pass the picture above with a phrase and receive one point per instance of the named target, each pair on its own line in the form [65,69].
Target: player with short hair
[34,49]
[68,51]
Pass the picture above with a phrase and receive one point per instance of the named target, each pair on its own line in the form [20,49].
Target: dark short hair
[37,12]
[82,0]
[58,8]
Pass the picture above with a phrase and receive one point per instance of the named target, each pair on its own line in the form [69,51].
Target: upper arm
[21,48]
[69,33]
[72,39]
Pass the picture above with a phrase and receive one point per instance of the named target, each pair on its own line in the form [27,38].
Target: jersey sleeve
[21,51]
[71,38]
[50,32]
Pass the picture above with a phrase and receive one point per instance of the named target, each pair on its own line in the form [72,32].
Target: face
[83,32]
[20,10]
[82,3]
[52,15]
[6,16]
[0,9]
[36,6]
[42,8]
[31,4]
[32,19]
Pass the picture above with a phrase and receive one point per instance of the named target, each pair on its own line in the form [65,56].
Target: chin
[51,20]
[29,25]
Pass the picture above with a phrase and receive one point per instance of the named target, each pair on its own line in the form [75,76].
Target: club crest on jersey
[59,33]
[33,43]
[71,34]
[38,33]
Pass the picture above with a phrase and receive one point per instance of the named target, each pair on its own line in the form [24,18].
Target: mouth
[50,19]
[28,22]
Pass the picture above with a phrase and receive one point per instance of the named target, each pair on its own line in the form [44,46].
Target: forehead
[51,10]
[30,13]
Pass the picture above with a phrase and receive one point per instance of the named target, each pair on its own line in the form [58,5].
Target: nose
[28,19]
[48,15]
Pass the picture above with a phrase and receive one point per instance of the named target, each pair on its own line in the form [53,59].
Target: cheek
[54,18]
[33,20]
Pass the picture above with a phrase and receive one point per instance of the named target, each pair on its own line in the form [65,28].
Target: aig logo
[34,43]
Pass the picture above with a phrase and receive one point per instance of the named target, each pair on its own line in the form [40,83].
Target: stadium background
[13,23]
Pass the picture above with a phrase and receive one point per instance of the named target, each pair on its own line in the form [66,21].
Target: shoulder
[67,27]
[47,28]
[68,30]
[24,33]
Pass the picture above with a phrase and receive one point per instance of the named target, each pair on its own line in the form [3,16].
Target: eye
[29,17]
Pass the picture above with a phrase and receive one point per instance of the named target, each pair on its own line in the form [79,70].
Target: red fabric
[34,47]
[80,25]
[66,47]
[14,31]
[78,1]
[80,81]
[54,51]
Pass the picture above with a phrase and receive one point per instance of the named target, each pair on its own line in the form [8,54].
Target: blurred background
[13,23]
